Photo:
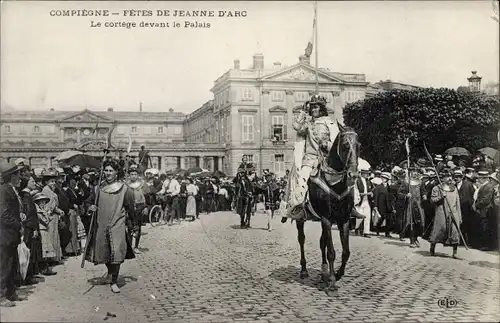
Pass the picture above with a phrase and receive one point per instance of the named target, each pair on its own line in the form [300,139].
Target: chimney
[304,59]
[258,62]
[277,64]
[52,109]
[236,64]
[140,106]
[170,110]
[110,109]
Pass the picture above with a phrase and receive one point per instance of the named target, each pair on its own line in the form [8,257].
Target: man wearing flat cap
[10,232]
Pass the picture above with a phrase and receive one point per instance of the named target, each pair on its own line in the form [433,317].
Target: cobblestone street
[212,271]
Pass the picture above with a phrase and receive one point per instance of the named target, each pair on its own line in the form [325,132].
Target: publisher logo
[447,302]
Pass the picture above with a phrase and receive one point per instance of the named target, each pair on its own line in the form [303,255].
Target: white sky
[62,63]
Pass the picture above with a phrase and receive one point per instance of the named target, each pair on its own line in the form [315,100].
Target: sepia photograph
[250,161]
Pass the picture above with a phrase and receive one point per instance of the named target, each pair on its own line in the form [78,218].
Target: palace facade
[253,109]
[40,136]
[250,115]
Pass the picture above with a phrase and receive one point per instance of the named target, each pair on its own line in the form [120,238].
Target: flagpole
[316,43]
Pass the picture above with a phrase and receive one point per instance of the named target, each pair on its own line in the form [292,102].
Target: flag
[129,148]
[428,155]
[407,146]
[309,47]
[495,14]
[108,137]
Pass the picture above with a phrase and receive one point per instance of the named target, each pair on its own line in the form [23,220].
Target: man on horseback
[318,132]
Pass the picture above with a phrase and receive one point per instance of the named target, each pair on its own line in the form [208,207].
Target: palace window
[36,129]
[6,129]
[21,129]
[248,128]
[279,163]
[278,96]
[301,96]
[247,94]
[120,130]
[134,129]
[160,130]
[278,128]
[248,158]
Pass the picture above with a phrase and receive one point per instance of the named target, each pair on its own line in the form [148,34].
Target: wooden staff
[94,213]
[447,203]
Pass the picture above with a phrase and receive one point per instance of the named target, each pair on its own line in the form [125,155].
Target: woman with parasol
[111,243]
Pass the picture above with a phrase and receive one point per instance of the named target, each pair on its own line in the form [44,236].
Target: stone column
[49,161]
[183,163]
[179,162]
[289,115]
[164,164]
[201,162]
[61,134]
[78,133]
[220,164]
[216,163]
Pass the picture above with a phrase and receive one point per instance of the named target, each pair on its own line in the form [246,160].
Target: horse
[330,201]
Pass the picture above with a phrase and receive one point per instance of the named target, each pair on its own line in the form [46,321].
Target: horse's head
[345,151]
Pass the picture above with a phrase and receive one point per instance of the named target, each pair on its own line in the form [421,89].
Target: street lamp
[474,82]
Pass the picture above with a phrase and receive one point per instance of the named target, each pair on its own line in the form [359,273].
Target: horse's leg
[324,264]
[331,289]
[302,239]
[344,240]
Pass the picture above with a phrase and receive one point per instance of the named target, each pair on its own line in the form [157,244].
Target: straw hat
[40,197]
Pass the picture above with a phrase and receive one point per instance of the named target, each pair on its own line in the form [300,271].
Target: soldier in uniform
[245,194]
[271,192]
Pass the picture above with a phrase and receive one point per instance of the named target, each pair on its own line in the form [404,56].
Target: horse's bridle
[325,168]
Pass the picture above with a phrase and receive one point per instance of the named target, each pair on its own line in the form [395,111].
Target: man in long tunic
[244,197]
[413,216]
[444,230]
[111,242]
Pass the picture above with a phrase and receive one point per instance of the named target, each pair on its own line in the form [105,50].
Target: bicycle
[156,215]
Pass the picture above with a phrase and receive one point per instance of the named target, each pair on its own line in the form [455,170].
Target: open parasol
[194,170]
[491,153]
[457,151]
[363,164]
[67,155]
[218,174]
[82,161]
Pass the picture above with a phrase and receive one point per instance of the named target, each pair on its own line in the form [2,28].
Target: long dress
[52,235]
[443,230]
[191,201]
[111,244]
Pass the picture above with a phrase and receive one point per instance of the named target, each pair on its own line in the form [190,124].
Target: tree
[442,118]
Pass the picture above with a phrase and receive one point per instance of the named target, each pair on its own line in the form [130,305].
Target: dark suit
[10,238]
[31,225]
[484,206]
[382,201]
[85,193]
[466,194]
